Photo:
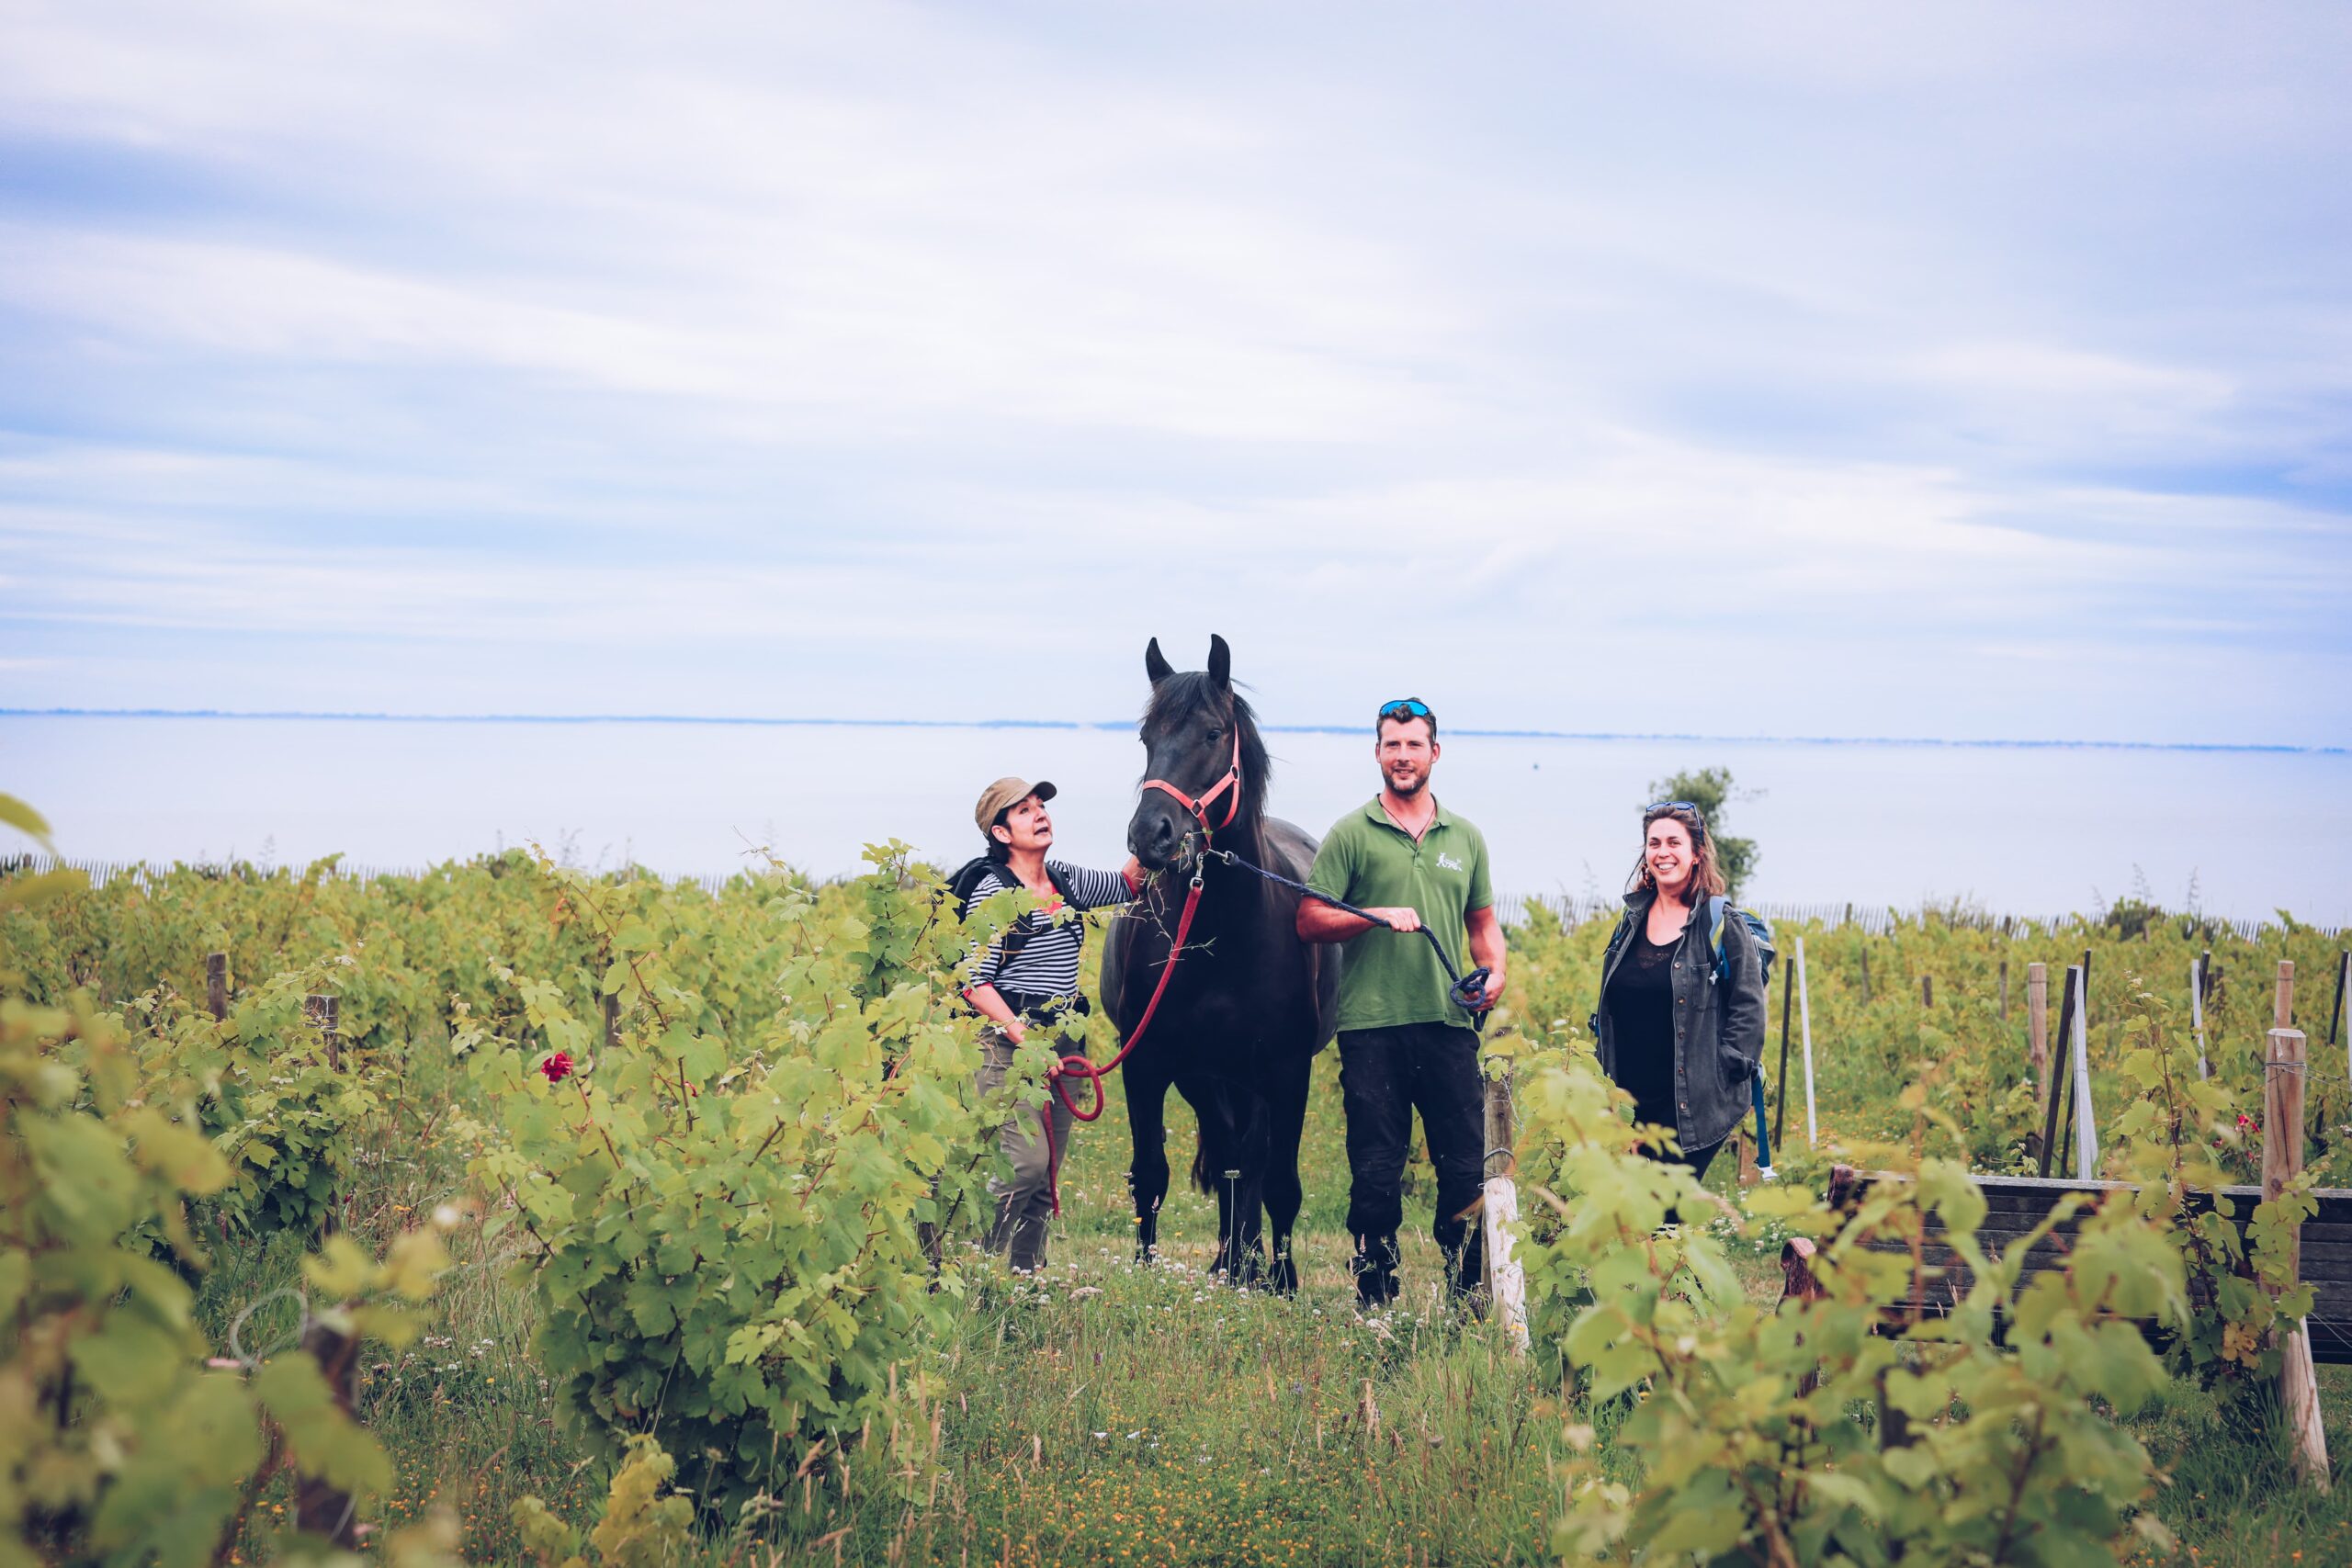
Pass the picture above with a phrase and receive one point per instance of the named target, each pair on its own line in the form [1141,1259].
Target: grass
[1105,1413]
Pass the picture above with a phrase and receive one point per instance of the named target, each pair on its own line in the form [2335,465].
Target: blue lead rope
[1763,1139]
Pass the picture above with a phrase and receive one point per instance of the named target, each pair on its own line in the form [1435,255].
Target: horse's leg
[1212,1101]
[1148,1167]
[1286,1123]
[1252,1148]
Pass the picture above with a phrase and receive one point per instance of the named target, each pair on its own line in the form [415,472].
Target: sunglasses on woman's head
[1406,707]
[1660,807]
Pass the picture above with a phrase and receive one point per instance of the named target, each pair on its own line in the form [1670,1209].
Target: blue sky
[1980,371]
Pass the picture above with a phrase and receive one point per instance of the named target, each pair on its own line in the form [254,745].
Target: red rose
[557,1067]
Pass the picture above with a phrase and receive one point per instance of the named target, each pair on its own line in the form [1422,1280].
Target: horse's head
[1196,732]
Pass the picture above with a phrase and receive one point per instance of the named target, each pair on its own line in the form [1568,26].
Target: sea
[2027,828]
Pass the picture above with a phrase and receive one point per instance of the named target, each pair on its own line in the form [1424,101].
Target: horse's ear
[1155,663]
[1220,661]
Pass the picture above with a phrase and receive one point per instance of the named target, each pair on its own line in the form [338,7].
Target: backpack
[967,882]
[1718,909]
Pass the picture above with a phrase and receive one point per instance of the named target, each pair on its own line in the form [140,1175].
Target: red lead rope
[1080,1067]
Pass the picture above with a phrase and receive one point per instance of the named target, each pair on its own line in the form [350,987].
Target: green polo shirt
[1388,978]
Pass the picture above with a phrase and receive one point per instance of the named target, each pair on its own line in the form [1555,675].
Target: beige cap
[1006,792]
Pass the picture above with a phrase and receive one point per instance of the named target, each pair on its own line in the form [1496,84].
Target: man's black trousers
[1384,1075]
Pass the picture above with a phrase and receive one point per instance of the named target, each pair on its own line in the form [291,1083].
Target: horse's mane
[1192,693]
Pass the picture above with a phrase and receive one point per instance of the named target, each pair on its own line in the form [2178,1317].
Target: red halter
[1200,808]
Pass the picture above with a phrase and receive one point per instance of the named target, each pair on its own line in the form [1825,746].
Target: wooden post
[1506,1282]
[2197,1013]
[2282,1161]
[1781,1103]
[216,984]
[1926,990]
[1804,1024]
[1866,970]
[319,1508]
[2037,1026]
[2282,1000]
[2005,990]
[323,1013]
[611,1003]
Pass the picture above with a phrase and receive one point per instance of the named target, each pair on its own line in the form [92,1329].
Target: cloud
[1988,369]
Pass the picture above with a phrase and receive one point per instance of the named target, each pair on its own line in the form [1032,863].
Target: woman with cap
[1027,978]
[1680,1039]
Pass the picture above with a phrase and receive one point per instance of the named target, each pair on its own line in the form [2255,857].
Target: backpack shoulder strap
[1717,907]
[1054,874]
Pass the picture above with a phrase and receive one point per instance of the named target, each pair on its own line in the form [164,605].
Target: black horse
[1248,1004]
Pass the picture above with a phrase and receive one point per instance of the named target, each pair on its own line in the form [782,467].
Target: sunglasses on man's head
[1406,707]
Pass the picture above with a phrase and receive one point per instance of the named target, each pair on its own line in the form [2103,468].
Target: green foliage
[2171,1139]
[1710,789]
[122,1440]
[1742,1420]
[639,1528]
[728,1225]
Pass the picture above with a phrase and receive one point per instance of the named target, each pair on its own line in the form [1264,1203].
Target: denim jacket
[1718,1025]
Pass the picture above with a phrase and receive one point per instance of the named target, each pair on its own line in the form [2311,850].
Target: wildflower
[558,1066]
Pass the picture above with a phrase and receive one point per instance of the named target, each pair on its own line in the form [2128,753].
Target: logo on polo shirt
[1448,862]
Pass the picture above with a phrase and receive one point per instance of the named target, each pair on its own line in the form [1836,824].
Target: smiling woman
[1679,1030]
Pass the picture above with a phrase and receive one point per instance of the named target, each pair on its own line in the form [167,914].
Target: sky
[1967,371]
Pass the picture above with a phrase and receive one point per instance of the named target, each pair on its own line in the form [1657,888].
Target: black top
[1641,1016]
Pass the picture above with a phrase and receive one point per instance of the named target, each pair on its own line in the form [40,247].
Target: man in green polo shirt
[1404,1044]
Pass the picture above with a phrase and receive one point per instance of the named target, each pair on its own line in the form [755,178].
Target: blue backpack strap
[1716,907]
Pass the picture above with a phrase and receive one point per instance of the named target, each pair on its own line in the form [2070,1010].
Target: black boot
[1374,1266]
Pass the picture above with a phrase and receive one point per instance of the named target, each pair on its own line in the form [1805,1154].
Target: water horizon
[797,721]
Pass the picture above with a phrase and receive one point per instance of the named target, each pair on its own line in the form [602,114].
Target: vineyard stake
[2282,1000]
[2037,1027]
[2335,1011]
[2087,1125]
[1506,1282]
[1805,1016]
[1866,970]
[1926,990]
[1780,1104]
[2084,1006]
[2049,1102]
[216,985]
[320,1507]
[2282,1161]
[323,1014]
[2196,1012]
[2005,990]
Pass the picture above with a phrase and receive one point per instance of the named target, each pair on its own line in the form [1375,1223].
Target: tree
[1709,789]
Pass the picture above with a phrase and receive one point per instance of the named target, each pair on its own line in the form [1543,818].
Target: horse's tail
[1201,1164]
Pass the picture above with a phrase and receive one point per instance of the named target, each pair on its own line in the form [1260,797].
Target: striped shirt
[1047,965]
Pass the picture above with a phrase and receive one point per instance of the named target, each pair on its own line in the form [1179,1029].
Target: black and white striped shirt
[1047,965]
